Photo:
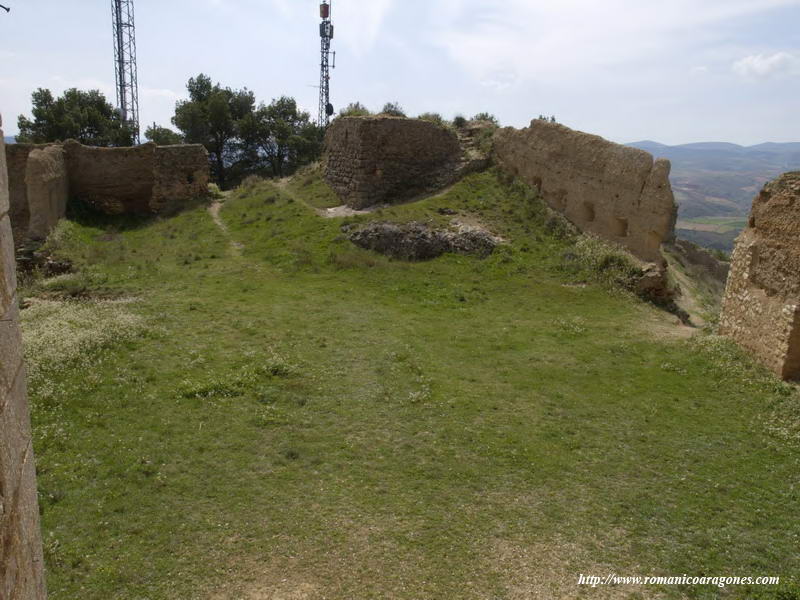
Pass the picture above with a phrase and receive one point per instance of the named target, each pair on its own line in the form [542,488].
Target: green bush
[486,117]
[433,118]
[460,121]
[393,109]
[355,109]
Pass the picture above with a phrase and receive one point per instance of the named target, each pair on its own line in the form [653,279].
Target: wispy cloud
[768,65]
[560,40]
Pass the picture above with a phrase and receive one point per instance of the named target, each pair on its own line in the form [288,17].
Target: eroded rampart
[385,160]
[143,179]
[761,307]
[615,192]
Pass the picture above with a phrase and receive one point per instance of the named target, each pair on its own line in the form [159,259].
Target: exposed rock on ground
[417,241]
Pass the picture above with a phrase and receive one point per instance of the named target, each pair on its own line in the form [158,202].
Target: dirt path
[213,210]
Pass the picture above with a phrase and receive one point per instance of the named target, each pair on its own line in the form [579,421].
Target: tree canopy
[282,134]
[85,116]
[211,116]
[242,138]
[163,136]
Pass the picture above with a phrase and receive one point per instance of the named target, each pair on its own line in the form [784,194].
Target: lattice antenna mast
[326,34]
[125,69]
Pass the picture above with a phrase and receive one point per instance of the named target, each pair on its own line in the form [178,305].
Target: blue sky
[677,72]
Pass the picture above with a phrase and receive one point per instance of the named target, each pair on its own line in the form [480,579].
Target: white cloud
[559,41]
[767,65]
[365,21]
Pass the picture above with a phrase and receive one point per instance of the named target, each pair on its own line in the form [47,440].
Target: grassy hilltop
[271,412]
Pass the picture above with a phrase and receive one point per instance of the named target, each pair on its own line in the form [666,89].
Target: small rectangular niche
[587,212]
[620,226]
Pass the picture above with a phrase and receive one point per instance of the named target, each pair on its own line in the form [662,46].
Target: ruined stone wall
[47,190]
[374,160]
[761,307]
[21,564]
[181,174]
[17,161]
[112,180]
[613,191]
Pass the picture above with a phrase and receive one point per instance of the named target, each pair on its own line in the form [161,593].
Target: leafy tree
[486,117]
[79,115]
[282,134]
[355,109]
[163,136]
[212,117]
[459,121]
[393,109]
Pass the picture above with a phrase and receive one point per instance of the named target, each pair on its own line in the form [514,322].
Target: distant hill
[9,139]
[720,179]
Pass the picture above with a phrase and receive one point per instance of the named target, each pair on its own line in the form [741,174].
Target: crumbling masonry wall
[47,190]
[17,161]
[761,307]
[21,563]
[140,180]
[181,174]
[613,191]
[375,160]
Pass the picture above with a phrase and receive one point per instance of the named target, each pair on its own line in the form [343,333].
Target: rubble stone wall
[181,174]
[112,180]
[47,190]
[21,562]
[140,180]
[615,192]
[761,307]
[375,160]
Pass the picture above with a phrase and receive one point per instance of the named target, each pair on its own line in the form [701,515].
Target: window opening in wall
[588,212]
[620,227]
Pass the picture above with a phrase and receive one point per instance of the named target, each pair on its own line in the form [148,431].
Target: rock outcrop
[386,160]
[761,307]
[613,191]
[21,563]
[417,241]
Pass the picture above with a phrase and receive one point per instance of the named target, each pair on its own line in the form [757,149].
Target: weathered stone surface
[181,174]
[761,307]
[377,160]
[616,192]
[17,162]
[112,180]
[21,563]
[47,190]
[140,180]
[416,241]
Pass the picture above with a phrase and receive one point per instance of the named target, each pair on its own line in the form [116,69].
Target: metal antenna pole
[125,70]
[326,35]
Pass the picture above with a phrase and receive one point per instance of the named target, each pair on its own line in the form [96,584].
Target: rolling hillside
[715,182]
[259,409]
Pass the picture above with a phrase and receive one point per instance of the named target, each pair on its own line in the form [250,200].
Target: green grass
[307,419]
